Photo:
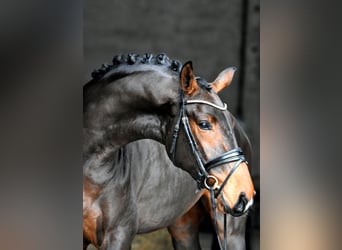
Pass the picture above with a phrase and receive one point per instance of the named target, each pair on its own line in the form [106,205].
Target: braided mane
[132,58]
[149,59]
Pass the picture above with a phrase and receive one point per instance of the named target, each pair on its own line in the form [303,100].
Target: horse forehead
[210,97]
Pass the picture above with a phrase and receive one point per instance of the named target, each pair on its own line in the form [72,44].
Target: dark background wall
[212,34]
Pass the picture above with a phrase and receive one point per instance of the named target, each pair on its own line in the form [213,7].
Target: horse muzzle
[240,207]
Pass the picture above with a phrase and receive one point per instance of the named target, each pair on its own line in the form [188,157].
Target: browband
[208,103]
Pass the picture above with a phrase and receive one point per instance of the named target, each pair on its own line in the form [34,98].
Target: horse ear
[187,79]
[224,79]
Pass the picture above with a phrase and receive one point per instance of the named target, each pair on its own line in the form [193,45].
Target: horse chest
[92,215]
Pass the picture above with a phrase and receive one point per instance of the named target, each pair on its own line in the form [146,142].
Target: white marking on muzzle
[249,204]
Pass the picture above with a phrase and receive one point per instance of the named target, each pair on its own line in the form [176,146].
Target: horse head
[203,133]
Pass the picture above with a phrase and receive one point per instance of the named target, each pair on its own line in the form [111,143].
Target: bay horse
[150,97]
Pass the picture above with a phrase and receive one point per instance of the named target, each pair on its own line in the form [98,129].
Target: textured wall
[207,34]
[213,34]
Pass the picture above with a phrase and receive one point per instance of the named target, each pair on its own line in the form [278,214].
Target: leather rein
[234,155]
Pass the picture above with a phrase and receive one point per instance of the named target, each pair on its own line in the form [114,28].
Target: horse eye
[204,125]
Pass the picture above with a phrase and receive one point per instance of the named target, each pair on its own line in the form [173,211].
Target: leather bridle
[234,155]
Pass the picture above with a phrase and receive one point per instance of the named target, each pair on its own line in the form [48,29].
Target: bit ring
[211,186]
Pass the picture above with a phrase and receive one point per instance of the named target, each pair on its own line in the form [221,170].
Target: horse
[156,98]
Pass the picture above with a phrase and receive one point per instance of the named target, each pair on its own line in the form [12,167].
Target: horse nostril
[240,205]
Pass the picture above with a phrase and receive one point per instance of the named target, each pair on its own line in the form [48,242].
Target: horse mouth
[241,207]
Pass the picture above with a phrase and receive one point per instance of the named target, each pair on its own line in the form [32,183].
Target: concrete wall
[208,34]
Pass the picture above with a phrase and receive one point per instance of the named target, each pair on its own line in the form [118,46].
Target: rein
[234,155]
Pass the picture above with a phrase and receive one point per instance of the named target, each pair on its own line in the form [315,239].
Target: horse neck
[128,109]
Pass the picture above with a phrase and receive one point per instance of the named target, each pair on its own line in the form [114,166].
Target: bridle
[234,155]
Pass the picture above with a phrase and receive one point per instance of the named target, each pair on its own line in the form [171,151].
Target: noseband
[234,155]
